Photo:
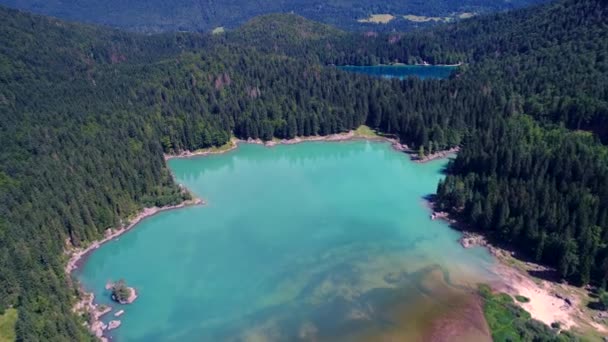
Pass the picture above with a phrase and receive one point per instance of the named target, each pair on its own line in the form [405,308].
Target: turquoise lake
[315,241]
[403,71]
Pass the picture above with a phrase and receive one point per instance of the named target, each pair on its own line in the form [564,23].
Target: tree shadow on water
[430,198]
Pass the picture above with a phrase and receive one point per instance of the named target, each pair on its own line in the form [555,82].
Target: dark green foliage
[193,15]
[603,299]
[540,187]
[87,113]
[120,291]
[543,190]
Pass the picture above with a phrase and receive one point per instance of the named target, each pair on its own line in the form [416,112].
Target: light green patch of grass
[466,15]
[501,314]
[7,325]
[366,132]
[378,19]
[422,18]
[522,299]
[218,30]
[218,149]
[509,322]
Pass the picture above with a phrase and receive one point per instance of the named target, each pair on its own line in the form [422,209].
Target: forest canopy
[196,15]
[86,114]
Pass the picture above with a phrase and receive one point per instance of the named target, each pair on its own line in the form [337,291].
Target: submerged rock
[114,324]
[102,310]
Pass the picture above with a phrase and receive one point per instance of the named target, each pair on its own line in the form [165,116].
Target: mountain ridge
[203,15]
[78,100]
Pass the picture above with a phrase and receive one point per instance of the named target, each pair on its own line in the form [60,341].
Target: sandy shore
[544,305]
[549,301]
[87,304]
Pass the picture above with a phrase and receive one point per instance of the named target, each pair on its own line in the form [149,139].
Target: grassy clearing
[366,132]
[422,18]
[378,19]
[218,149]
[584,319]
[509,322]
[218,30]
[466,15]
[7,325]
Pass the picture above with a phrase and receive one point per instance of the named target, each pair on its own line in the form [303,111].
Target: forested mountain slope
[205,15]
[87,113]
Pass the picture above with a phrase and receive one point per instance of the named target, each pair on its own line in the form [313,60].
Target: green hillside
[86,114]
[205,15]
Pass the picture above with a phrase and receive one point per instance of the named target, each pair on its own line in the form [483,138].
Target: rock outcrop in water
[114,324]
[121,293]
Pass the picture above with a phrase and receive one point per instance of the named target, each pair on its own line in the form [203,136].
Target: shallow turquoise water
[296,241]
[403,71]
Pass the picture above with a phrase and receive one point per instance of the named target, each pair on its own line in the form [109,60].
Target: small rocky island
[122,293]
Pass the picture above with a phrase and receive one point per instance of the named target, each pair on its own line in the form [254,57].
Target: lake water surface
[315,241]
[403,71]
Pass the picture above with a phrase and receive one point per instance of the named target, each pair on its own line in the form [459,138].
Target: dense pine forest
[205,15]
[86,114]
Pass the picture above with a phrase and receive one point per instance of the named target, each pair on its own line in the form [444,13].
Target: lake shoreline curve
[86,303]
[351,135]
[549,300]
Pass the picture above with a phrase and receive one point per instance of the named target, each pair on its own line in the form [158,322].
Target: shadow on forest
[546,274]
[595,306]
[430,198]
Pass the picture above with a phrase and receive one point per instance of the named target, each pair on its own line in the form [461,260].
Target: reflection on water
[315,242]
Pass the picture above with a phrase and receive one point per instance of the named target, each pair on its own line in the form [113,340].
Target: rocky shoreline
[548,301]
[350,135]
[86,305]
[434,156]
[76,254]
[93,312]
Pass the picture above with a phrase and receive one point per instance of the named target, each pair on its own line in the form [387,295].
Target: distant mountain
[86,114]
[206,15]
